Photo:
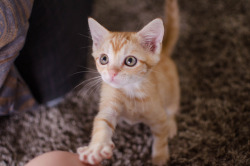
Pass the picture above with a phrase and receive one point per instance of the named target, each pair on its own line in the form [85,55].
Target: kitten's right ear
[98,32]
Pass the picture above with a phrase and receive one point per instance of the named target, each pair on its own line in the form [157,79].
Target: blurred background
[213,60]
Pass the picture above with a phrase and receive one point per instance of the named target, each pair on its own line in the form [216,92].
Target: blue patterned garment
[14,94]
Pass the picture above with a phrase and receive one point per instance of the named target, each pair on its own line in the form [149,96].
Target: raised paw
[95,153]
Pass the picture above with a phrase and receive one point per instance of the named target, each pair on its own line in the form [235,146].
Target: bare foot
[54,158]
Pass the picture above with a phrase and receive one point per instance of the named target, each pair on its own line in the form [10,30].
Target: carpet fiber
[213,61]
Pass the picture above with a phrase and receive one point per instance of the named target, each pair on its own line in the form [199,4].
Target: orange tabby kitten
[140,84]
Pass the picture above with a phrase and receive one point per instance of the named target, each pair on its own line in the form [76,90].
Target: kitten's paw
[95,153]
[172,128]
[161,156]
[160,159]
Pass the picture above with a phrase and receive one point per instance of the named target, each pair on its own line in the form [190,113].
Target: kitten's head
[124,58]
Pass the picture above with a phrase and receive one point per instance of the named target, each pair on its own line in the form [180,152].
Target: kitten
[140,84]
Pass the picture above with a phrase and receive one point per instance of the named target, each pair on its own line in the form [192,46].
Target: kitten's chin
[114,84]
[123,86]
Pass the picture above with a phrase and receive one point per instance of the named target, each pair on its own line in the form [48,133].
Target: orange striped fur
[147,92]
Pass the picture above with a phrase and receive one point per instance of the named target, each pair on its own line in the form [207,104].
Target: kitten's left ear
[151,35]
[98,32]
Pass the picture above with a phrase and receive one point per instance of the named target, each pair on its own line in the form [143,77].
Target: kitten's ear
[151,35]
[98,32]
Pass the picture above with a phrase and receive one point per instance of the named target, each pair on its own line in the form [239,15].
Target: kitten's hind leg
[171,121]
[158,126]
[171,126]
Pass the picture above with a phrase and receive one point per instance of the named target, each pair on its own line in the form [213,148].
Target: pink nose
[113,73]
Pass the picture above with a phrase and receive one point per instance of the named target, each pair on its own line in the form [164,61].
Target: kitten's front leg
[101,145]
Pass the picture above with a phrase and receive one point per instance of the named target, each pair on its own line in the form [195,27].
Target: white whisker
[93,87]
[89,80]
[80,72]
[91,69]
[85,36]
[90,85]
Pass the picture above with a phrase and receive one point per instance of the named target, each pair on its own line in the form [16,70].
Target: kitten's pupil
[130,60]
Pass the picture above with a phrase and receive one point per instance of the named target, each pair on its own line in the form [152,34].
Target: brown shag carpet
[213,58]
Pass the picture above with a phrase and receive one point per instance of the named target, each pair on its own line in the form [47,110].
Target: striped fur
[147,92]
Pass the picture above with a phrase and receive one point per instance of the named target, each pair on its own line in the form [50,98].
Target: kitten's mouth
[114,83]
[112,80]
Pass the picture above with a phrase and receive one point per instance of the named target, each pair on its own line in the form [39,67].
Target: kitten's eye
[104,59]
[130,61]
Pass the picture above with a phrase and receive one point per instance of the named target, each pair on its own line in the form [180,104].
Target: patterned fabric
[14,95]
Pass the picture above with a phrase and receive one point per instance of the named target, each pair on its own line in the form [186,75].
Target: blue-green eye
[104,59]
[130,61]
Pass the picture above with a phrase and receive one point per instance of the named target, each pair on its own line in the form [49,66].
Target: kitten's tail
[171,26]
